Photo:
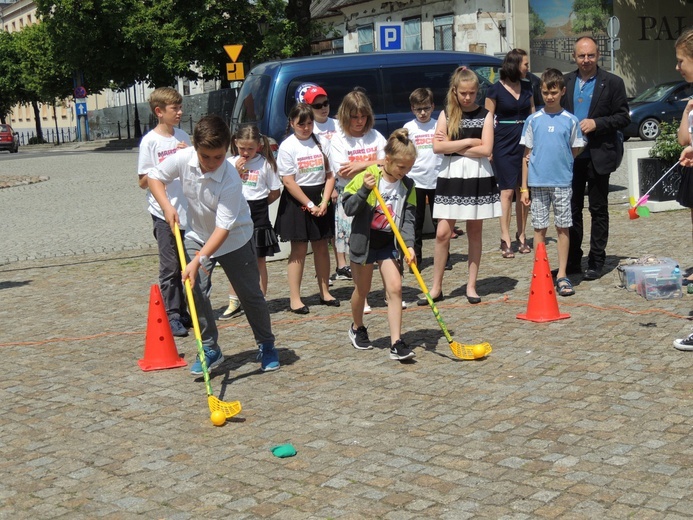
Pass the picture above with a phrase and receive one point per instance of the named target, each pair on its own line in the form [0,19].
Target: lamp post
[138,130]
[127,109]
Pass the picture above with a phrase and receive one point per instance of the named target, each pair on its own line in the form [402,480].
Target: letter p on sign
[390,36]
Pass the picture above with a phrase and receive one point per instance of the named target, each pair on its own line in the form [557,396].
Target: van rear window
[253,100]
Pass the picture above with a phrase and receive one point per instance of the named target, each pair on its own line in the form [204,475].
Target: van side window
[337,85]
[400,82]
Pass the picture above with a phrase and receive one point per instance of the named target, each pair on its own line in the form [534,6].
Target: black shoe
[473,299]
[330,303]
[593,274]
[186,321]
[400,351]
[300,310]
[422,302]
[359,338]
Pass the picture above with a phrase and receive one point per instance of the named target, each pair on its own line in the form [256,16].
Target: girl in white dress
[466,188]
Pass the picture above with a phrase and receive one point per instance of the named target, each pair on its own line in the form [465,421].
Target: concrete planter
[650,171]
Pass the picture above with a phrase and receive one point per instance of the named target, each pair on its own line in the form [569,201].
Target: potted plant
[663,155]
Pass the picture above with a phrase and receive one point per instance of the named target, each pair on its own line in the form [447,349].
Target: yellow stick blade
[478,351]
[229,409]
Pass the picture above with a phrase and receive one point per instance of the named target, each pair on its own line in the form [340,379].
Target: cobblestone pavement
[588,417]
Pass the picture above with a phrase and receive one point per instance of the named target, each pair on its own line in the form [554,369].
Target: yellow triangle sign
[233,51]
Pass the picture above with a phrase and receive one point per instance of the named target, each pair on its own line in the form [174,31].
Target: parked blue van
[269,90]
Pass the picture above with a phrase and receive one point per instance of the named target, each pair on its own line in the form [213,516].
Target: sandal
[506,250]
[524,247]
[564,287]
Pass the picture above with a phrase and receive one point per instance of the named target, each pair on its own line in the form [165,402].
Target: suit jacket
[609,109]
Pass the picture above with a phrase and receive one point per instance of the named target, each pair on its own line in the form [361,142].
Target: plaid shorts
[541,203]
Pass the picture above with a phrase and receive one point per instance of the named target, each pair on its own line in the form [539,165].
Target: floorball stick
[229,409]
[458,349]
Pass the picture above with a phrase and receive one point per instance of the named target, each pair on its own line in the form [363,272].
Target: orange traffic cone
[542,305]
[159,347]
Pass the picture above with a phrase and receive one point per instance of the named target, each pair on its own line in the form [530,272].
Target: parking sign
[390,36]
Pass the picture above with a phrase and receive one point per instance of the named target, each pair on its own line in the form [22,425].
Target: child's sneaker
[268,356]
[233,310]
[685,344]
[399,351]
[359,338]
[177,328]
[342,273]
[367,309]
[214,358]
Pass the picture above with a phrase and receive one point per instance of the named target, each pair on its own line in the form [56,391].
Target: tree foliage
[114,43]
[9,74]
[590,16]
[537,27]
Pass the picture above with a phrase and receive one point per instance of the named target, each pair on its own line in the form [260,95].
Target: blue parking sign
[390,36]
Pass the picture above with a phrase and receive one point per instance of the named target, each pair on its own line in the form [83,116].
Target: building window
[443,35]
[366,38]
[21,23]
[28,19]
[338,46]
[335,46]
[412,34]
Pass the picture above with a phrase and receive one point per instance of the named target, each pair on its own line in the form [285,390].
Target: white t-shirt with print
[258,177]
[347,149]
[303,160]
[393,194]
[424,173]
[154,148]
[327,129]
[215,199]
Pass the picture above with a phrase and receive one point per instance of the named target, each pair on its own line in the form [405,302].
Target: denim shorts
[381,247]
[384,253]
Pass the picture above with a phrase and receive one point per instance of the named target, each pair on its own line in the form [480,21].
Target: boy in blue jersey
[552,139]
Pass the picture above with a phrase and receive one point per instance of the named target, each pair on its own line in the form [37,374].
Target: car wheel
[649,129]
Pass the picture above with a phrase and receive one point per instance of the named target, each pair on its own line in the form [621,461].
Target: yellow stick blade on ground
[478,351]
[229,409]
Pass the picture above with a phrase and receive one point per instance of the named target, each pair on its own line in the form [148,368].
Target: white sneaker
[404,304]
[367,309]
[234,309]
[685,344]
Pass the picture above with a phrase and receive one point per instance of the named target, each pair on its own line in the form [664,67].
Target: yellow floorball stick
[215,404]
[461,351]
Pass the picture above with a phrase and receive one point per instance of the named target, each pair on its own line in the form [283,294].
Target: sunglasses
[318,106]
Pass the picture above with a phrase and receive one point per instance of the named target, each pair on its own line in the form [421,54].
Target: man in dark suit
[598,99]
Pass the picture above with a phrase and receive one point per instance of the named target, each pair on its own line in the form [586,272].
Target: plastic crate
[659,279]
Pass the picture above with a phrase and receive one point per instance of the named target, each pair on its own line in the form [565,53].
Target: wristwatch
[202,258]
[310,204]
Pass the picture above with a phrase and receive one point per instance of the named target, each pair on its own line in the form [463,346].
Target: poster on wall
[555,25]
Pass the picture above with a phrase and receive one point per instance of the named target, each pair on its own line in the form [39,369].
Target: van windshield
[252,100]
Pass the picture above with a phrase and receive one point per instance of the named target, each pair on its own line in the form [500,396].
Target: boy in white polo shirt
[220,231]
